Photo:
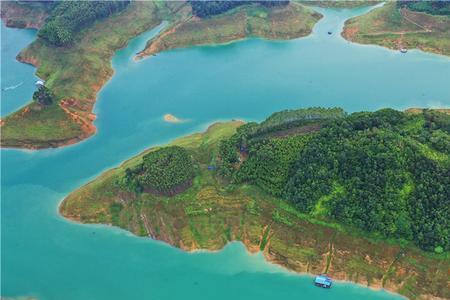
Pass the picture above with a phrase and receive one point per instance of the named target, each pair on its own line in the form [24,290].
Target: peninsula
[74,57]
[75,60]
[409,25]
[281,22]
[316,190]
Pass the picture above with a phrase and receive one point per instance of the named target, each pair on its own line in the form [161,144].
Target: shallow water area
[46,256]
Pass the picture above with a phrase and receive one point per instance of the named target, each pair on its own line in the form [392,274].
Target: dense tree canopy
[210,8]
[385,172]
[431,7]
[68,17]
[43,96]
[164,171]
[252,136]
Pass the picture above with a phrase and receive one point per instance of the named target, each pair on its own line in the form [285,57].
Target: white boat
[40,83]
[403,50]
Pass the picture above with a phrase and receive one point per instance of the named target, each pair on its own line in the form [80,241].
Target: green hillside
[385,172]
[315,190]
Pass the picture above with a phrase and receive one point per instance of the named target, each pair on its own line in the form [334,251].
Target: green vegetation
[214,211]
[396,26]
[385,172]
[39,127]
[387,184]
[167,170]
[277,155]
[340,3]
[286,119]
[43,96]
[97,29]
[25,14]
[271,147]
[278,22]
[74,79]
[430,7]
[210,8]
[69,17]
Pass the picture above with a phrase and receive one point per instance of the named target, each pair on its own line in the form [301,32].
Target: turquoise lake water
[46,256]
[17,78]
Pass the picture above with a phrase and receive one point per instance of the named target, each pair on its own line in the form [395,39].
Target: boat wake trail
[12,87]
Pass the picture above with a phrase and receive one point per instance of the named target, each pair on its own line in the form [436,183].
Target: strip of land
[279,23]
[75,73]
[396,28]
[213,212]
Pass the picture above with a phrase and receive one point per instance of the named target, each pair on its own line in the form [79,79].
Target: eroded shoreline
[75,110]
[76,113]
[208,217]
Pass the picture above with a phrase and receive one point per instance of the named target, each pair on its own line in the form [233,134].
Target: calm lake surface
[46,256]
[18,80]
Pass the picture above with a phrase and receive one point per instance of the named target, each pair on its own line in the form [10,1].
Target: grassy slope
[74,74]
[33,127]
[288,22]
[210,214]
[389,27]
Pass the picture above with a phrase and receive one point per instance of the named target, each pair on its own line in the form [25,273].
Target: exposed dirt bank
[208,216]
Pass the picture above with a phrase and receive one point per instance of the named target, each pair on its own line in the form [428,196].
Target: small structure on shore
[323,281]
[403,50]
[40,83]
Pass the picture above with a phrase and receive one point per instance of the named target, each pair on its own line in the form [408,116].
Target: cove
[46,256]
[17,84]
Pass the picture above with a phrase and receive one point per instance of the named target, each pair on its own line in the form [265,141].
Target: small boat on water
[403,50]
[329,32]
[323,281]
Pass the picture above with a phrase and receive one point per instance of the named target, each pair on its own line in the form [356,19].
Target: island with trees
[364,197]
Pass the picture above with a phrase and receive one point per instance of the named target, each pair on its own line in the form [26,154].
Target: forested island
[364,197]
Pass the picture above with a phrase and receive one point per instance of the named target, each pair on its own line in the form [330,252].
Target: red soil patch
[350,33]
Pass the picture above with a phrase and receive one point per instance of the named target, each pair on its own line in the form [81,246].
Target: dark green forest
[431,7]
[43,96]
[209,8]
[69,17]
[166,171]
[385,172]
